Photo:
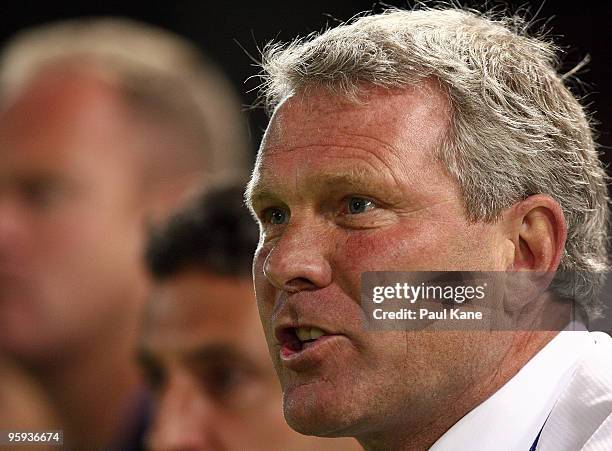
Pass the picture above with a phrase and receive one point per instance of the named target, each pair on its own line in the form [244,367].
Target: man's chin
[313,409]
[30,344]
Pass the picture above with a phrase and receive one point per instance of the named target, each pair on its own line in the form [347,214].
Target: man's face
[340,189]
[70,222]
[207,360]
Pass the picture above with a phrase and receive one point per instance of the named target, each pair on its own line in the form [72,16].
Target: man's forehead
[200,302]
[56,109]
[319,112]
[63,90]
[316,173]
[389,134]
[196,311]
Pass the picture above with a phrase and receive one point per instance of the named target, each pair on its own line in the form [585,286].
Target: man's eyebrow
[256,190]
[207,354]
[214,353]
[358,178]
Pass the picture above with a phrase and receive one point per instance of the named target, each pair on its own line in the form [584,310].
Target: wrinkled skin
[342,188]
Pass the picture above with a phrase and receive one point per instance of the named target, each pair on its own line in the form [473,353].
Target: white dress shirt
[564,388]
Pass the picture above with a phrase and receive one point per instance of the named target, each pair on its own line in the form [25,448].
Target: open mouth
[297,339]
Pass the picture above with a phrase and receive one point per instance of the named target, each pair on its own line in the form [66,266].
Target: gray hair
[161,76]
[515,128]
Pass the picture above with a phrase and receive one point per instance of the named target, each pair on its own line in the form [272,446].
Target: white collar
[513,416]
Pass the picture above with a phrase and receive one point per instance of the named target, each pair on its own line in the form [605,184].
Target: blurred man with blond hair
[105,124]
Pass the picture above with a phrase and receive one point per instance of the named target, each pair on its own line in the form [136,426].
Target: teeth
[303,333]
[308,333]
[315,333]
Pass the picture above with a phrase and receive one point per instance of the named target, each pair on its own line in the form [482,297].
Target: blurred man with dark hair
[104,124]
[203,347]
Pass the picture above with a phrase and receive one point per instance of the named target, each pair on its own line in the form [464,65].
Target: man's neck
[421,436]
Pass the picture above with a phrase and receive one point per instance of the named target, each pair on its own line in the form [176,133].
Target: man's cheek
[374,251]
[264,294]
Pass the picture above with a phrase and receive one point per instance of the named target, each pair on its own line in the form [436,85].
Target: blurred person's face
[341,189]
[207,360]
[70,217]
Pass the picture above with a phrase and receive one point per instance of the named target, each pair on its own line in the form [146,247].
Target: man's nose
[299,260]
[185,420]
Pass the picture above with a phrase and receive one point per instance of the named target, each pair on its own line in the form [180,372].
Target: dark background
[580,28]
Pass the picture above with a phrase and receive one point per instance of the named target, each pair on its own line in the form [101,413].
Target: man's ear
[538,231]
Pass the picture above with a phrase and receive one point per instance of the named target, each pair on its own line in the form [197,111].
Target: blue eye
[275,216]
[357,205]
